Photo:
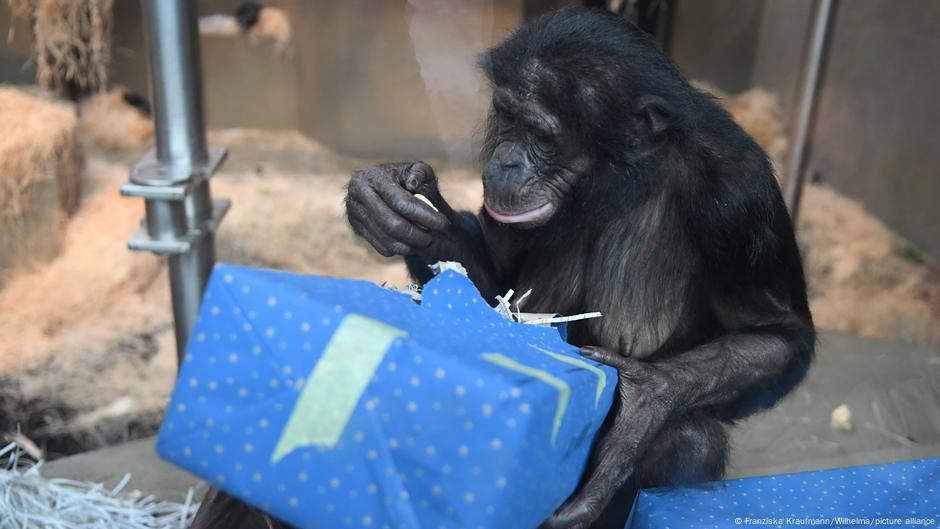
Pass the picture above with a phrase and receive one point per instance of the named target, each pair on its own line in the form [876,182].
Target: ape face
[534,165]
[554,127]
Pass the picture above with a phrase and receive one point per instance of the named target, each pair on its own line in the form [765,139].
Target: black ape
[247,14]
[614,186]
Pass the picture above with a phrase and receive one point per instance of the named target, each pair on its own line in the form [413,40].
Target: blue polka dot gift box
[336,403]
[903,494]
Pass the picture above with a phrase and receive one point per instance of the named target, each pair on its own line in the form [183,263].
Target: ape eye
[543,136]
[543,139]
[542,146]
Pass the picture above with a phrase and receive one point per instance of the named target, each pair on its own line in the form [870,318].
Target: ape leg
[690,451]
[221,511]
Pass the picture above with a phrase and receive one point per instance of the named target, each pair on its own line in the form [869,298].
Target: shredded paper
[30,501]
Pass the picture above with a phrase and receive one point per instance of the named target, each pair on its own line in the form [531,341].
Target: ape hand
[644,403]
[382,209]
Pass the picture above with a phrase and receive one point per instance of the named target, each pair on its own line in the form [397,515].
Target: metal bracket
[155,180]
[141,241]
[150,172]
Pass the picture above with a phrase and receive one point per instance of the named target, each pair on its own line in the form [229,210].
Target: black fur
[246,14]
[137,101]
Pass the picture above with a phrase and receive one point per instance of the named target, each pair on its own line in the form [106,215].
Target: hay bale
[39,183]
[97,312]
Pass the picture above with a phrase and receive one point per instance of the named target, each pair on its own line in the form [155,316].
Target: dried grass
[863,278]
[299,224]
[72,42]
[109,317]
[98,312]
[37,141]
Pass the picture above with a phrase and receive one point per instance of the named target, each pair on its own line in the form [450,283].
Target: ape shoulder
[729,195]
[734,213]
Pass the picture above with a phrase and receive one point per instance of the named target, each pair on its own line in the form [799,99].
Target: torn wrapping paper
[332,402]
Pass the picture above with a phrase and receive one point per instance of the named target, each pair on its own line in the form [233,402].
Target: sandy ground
[86,345]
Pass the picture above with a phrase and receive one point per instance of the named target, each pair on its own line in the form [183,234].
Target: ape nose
[507,166]
[506,156]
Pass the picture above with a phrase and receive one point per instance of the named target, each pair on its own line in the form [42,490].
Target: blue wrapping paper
[332,402]
[903,494]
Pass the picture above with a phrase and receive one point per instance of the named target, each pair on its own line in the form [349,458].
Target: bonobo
[247,15]
[613,185]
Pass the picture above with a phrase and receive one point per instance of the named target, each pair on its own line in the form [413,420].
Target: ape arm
[745,370]
[465,244]
[382,208]
[742,372]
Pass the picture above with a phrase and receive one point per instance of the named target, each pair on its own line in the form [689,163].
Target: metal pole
[813,63]
[173,179]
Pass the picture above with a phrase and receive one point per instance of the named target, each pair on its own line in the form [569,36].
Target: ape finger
[630,370]
[604,356]
[391,245]
[579,516]
[419,177]
[384,220]
[361,215]
[611,470]
[363,230]
[410,207]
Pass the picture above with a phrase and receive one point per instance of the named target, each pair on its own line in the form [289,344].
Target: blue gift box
[903,494]
[332,402]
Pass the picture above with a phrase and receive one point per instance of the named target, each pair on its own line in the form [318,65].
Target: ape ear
[655,113]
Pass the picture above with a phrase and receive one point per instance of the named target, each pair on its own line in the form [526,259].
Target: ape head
[247,14]
[575,93]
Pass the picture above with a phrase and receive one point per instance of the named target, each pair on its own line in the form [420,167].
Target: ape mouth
[533,215]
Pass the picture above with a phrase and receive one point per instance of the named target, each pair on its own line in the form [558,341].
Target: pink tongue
[518,217]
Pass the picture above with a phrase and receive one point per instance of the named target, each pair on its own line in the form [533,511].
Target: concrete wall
[714,40]
[376,78]
[397,78]
[15,66]
[876,133]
